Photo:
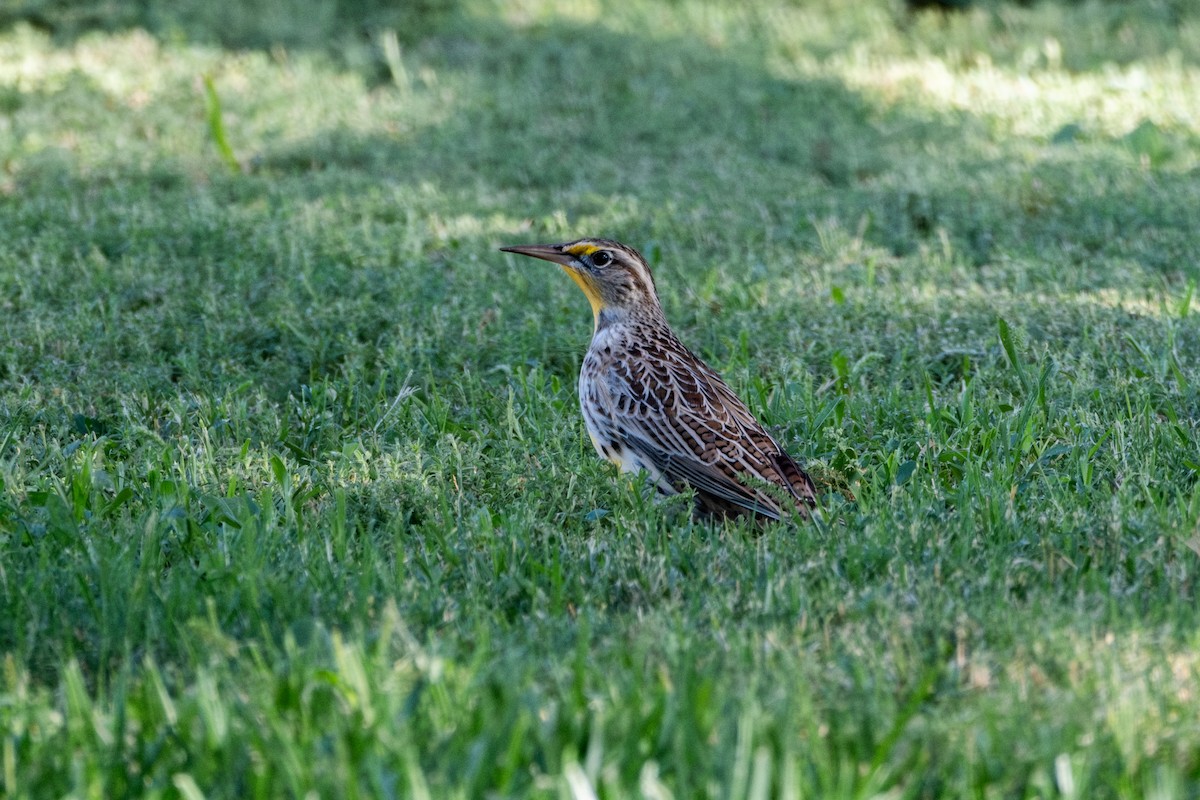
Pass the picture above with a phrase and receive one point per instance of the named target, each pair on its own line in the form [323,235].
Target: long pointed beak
[546,252]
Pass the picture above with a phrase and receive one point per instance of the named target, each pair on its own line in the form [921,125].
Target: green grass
[295,496]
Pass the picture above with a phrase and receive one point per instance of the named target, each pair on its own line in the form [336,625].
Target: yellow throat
[589,289]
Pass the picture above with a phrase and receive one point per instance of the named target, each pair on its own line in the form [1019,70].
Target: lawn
[295,496]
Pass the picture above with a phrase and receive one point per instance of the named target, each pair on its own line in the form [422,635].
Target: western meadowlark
[650,404]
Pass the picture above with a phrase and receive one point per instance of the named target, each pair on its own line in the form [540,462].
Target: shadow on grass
[253,24]
[575,120]
[564,124]
[564,118]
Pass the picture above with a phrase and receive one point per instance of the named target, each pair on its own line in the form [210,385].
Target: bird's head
[614,277]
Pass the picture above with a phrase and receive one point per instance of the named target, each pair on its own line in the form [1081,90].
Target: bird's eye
[601,259]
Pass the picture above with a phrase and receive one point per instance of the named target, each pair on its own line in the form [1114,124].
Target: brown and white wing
[680,416]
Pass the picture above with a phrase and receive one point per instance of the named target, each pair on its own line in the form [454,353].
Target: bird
[651,405]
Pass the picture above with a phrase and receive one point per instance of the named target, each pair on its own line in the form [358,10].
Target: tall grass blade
[216,125]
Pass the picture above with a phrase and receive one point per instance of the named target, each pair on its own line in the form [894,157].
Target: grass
[294,493]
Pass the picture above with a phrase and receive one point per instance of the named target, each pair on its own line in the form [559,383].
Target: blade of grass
[216,125]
